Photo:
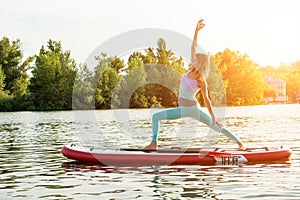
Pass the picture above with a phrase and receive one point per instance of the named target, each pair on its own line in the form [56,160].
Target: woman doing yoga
[191,83]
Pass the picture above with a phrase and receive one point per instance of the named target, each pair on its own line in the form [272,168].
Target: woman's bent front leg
[168,114]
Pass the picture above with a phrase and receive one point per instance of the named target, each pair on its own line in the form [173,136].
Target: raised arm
[199,26]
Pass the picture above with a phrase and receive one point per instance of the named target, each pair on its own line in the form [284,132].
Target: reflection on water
[32,167]
[213,182]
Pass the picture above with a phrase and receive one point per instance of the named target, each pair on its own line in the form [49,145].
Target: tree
[11,56]
[216,88]
[161,43]
[164,71]
[107,76]
[3,93]
[53,78]
[83,90]
[132,85]
[151,78]
[243,81]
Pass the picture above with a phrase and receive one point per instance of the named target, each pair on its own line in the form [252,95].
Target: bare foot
[151,146]
[241,146]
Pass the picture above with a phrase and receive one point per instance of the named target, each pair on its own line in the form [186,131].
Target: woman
[191,83]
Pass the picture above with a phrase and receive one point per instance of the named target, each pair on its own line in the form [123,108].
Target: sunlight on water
[32,166]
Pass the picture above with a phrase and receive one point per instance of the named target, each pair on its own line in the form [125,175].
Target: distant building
[279,86]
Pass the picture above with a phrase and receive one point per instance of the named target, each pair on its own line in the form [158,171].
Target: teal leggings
[187,111]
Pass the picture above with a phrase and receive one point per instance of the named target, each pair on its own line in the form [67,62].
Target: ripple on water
[32,166]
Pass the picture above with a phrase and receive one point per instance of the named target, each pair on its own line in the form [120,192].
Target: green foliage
[164,71]
[13,76]
[148,79]
[243,82]
[106,78]
[53,78]
[16,79]
[132,87]
[163,84]
[83,90]
[18,103]
[3,93]
[215,86]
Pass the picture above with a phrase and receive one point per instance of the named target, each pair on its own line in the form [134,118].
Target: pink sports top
[188,88]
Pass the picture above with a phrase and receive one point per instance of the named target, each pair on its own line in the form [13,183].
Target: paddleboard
[175,156]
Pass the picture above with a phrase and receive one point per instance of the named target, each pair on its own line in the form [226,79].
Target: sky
[267,30]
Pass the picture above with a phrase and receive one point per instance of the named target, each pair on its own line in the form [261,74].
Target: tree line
[52,80]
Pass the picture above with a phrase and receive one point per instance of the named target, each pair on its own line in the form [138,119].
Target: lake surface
[32,167]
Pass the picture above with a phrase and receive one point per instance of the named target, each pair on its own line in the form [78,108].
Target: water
[32,167]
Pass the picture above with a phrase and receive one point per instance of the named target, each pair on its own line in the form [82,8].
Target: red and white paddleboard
[190,156]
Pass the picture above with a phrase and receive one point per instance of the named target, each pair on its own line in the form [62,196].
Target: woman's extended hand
[215,122]
[219,124]
[200,25]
